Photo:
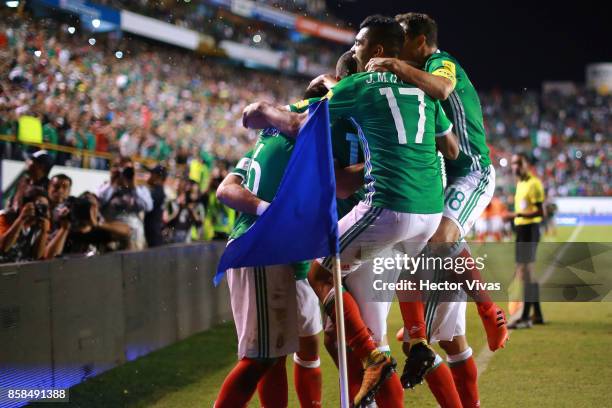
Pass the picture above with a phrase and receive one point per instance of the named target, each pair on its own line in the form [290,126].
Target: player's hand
[326,80]
[381,65]
[252,116]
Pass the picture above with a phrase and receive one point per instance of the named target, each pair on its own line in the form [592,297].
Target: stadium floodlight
[503,162]
[119,54]
[257,38]
[12,4]
[71,30]
[92,41]
[95,22]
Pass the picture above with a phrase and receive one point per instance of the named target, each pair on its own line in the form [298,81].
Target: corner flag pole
[340,335]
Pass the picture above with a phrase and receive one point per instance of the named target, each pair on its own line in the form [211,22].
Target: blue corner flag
[301,223]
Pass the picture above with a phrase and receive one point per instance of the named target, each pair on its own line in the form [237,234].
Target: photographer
[24,233]
[36,173]
[81,232]
[184,213]
[121,200]
[153,221]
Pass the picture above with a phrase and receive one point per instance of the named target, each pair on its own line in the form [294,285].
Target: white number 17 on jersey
[397,116]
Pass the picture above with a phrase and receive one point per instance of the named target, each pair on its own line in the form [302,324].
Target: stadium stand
[92,97]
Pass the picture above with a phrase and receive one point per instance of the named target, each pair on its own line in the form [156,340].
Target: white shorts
[367,231]
[443,321]
[465,198]
[308,311]
[264,305]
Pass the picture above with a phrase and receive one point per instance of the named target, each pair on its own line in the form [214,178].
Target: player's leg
[441,318]
[365,231]
[469,198]
[307,365]
[273,389]
[464,371]
[374,310]
[261,298]
[420,357]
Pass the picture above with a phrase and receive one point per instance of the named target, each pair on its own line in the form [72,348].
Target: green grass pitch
[563,364]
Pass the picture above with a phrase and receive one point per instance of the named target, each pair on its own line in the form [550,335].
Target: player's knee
[456,346]
[309,348]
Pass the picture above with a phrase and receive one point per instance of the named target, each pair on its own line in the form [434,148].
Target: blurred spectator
[24,232]
[121,200]
[59,189]
[153,222]
[184,213]
[220,218]
[82,232]
[58,192]
[36,173]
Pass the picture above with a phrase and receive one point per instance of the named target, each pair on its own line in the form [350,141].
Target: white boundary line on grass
[485,355]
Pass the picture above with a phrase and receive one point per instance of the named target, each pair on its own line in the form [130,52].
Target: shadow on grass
[143,381]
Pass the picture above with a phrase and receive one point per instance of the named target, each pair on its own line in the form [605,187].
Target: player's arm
[261,115]
[448,146]
[446,141]
[438,85]
[232,192]
[348,180]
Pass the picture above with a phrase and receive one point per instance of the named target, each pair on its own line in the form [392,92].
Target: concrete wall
[65,320]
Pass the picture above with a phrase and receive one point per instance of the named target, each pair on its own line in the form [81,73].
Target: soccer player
[275,311]
[403,203]
[528,214]
[471,177]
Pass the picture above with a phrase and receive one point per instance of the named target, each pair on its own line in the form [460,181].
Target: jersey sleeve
[537,192]
[243,165]
[444,68]
[302,106]
[342,98]
[443,124]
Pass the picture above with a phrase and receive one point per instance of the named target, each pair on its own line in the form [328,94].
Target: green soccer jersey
[346,150]
[262,170]
[463,109]
[397,125]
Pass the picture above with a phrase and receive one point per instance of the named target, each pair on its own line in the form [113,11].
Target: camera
[41,210]
[127,173]
[80,210]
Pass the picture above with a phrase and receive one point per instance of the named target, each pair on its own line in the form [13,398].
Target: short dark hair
[346,65]
[32,193]
[385,31]
[316,91]
[524,156]
[419,24]
[61,177]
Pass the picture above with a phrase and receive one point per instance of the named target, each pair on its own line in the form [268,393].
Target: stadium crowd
[120,98]
[221,24]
